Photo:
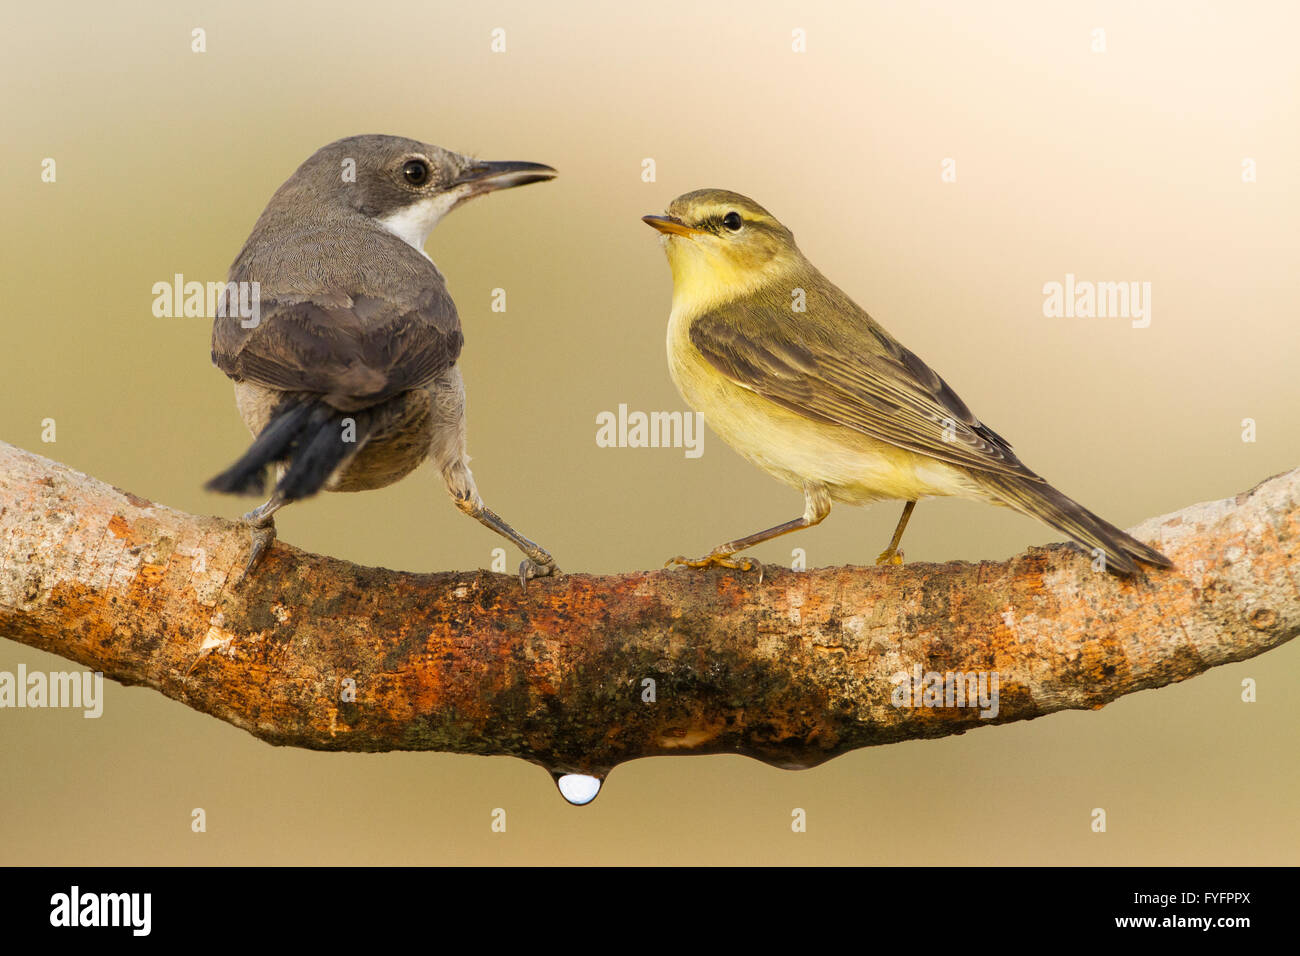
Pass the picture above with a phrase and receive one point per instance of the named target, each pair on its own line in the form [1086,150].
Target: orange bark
[793,670]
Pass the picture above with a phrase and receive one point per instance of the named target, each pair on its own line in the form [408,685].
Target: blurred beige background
[1115,166]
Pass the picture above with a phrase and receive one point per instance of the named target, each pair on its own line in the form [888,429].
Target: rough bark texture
[793,670]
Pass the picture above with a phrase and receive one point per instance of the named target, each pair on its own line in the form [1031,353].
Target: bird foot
[262,536]
[715,560]
[540,567]
[890,556]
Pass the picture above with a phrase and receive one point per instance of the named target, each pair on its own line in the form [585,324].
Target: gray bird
[347,374]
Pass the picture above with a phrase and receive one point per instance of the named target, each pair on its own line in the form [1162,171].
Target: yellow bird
[797,378]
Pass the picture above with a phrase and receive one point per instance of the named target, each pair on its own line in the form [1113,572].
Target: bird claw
[717,560]
[529,568]
[890,556]
[262,538]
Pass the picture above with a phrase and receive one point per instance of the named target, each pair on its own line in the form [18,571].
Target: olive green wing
[846,370]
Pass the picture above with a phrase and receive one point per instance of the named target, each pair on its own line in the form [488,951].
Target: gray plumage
[348,379]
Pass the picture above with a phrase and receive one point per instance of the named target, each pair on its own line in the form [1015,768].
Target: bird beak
[483,177]
[670,225]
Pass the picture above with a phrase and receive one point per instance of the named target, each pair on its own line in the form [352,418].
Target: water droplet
[578,788]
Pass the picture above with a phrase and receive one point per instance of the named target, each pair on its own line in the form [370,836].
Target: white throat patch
[414,223]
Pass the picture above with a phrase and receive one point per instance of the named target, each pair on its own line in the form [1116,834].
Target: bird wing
[353,350]
[848,371]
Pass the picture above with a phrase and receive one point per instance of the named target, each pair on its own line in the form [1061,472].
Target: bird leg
[817,505]
[261,527]
[537,564]
[891,555]
[461,487]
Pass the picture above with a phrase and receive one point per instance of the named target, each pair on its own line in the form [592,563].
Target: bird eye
[732,221]
[416,171]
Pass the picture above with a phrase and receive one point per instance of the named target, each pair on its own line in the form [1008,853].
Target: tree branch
[792,671]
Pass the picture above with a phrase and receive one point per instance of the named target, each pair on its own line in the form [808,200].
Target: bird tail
[311,436]
[1040,500]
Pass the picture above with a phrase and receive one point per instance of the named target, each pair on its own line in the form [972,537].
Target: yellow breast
[795,449]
